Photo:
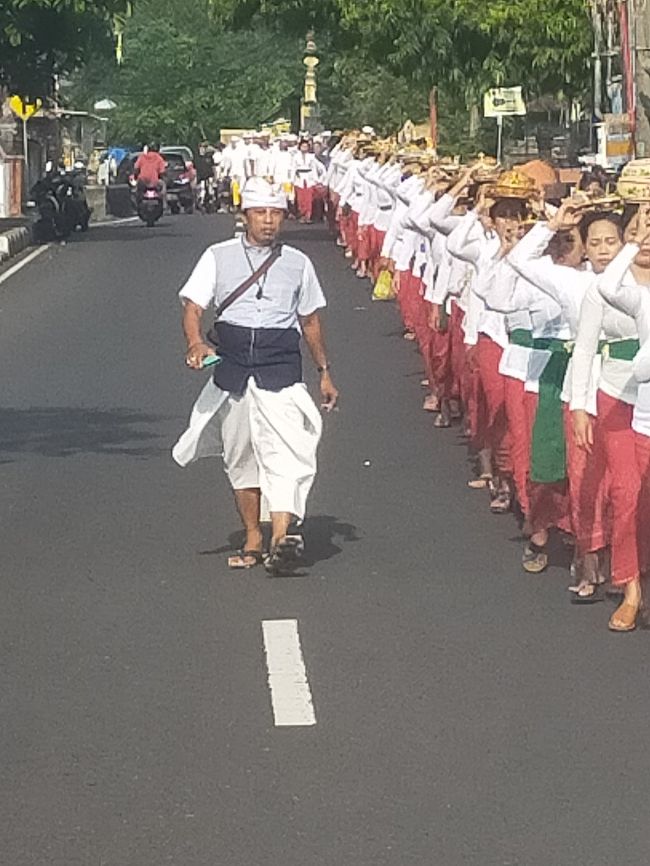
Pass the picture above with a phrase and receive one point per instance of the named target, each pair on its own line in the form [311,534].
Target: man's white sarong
[268,439]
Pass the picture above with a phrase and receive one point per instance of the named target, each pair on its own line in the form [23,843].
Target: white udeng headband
[260,193]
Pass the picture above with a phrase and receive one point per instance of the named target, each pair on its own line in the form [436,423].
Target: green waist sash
[548,450]
[620,350]
[521,337]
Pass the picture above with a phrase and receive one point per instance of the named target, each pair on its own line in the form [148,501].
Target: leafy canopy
[43,38]
[193,66]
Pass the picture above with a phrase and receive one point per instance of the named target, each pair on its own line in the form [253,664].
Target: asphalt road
[465,712]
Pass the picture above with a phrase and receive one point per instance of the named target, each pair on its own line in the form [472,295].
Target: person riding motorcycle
[149,170]
[203,166]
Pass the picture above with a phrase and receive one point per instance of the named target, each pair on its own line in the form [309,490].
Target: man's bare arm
[197,348]
[313,334]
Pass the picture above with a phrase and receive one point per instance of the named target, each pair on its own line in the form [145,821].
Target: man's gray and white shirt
[289,289]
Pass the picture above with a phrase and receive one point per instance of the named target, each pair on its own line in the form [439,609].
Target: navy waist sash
[270,355]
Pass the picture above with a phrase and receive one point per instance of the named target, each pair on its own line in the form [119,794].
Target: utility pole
[640,26]
[597,67]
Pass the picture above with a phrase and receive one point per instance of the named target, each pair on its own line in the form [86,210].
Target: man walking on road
[256,409]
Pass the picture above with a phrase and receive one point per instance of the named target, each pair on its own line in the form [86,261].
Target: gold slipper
[627,621]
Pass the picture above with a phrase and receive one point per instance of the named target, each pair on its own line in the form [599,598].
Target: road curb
[14,241]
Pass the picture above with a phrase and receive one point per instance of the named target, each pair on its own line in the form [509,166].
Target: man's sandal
[285,556]
[535,558]
[242,559]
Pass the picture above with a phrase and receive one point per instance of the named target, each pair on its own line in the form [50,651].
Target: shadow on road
[306,233]
[122,233]
[323,535]
[65,432]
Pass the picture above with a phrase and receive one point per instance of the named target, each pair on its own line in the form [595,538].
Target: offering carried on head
[512,184]
[634,183]
[486,170]
[583,202]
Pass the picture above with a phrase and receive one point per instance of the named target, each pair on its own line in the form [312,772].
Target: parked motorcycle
[78,209]
[52,195]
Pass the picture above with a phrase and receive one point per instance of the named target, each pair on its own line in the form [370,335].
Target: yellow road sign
[23,109]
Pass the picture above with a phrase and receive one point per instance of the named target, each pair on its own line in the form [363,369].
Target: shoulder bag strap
[248,282]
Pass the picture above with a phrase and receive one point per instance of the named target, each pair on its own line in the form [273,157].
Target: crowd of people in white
[530,306]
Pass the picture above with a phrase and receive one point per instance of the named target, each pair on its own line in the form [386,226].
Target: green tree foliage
[193,66]
[41,38]
[183,78]
[543,44]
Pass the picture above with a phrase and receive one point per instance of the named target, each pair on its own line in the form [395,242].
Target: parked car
[185,152]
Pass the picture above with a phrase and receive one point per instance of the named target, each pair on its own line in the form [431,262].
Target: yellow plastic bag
[235,192]
[383,290]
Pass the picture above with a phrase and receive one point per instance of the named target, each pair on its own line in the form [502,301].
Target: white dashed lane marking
[21,264]
[290,693]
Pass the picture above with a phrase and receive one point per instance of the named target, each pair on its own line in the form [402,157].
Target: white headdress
[258,192]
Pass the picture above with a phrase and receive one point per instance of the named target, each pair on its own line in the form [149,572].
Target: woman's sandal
[285,556]
[238,560]
[480,483]
[431,403]
[501,503]
[581,596]
[624,617]
[597,579]
[535,558]
[441,421]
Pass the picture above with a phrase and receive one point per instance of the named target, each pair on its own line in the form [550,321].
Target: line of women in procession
[533,322]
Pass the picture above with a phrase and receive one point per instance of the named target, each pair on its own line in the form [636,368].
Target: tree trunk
[433,117]
[474,119]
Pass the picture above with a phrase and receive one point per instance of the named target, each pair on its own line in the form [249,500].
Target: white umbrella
[105,105]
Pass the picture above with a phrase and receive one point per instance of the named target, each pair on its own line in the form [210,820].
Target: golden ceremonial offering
[542,173]
[583,203]
[634,183]
[486,169]
[512,184]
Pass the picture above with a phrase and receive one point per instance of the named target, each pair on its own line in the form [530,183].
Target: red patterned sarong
[494,389]
[624,473]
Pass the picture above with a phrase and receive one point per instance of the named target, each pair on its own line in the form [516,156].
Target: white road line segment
[290,693]
[118,222]
[21,264]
